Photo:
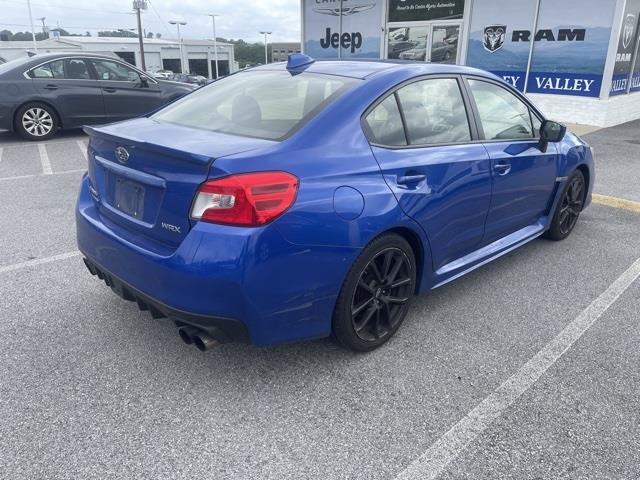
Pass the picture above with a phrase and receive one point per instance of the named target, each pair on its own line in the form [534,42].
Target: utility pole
[44,27]
[33,31]
[139,5]
[266,58]
[215,41]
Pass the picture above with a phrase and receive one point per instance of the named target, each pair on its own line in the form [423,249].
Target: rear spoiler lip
[98,131]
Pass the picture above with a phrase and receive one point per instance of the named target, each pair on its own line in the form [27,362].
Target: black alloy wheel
[569,208]
[376,295]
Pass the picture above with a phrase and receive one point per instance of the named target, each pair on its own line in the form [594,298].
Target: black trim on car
[223,329]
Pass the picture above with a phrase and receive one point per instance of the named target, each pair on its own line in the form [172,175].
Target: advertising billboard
[358,35]
[494,42]
[626,48]
[570,43]
[570,47]
[420,10]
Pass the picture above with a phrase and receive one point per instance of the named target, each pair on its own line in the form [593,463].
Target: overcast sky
[239,18]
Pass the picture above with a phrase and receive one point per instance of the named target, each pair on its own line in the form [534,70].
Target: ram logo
[494,37]
[171,228]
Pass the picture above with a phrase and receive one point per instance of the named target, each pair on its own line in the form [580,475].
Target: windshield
[269,105]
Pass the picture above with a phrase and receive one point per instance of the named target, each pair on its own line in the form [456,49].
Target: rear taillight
[248,199]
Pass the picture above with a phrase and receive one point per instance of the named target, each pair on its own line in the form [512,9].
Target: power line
[164,24]
[50,7]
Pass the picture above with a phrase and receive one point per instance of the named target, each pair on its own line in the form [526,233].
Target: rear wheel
[376,294]
[569,208]
[36,121]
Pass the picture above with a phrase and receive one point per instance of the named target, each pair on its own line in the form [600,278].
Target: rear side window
[76,69]
[503,115]
[267,105]
[434,112]
[385,123]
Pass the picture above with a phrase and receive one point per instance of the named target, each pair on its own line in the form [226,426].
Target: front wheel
[569,208]
[36,121]
[376,294]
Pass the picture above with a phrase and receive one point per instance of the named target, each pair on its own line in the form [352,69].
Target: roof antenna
[298,60]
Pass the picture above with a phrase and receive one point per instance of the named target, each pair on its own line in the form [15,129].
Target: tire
[568,210]
[370,309]
[36,121]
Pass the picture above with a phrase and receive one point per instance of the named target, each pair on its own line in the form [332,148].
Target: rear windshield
[269,105]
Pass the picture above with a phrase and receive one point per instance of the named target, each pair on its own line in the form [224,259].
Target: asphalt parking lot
[525,369]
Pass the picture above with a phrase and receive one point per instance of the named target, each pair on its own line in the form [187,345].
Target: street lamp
[266,58]
[177,23]
[215,40]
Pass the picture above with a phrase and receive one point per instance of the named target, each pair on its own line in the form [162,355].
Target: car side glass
[434,112]
[385,123]
[503,115]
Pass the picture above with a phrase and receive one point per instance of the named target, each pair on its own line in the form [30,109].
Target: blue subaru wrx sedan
[294,201]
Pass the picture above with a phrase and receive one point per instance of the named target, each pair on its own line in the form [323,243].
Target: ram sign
[569,44]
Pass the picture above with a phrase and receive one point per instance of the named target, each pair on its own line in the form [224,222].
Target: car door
[422,138]
[71,87]
[127,92]
[524,177]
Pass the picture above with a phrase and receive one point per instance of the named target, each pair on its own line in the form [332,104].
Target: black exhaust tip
[187,333]
[203,341]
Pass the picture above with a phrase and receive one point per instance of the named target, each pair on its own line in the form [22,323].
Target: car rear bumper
[220,276]
[222,329]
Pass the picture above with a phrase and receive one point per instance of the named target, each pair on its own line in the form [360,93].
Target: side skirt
[486,254]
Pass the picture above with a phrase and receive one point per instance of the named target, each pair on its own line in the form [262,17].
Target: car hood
[187,86]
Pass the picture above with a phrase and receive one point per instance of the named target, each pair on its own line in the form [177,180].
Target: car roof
[366,68]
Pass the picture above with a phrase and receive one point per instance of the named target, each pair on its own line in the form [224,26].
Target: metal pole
[181,53]
[33,32]
[142,60]
[533,32]
[215,43]
[266,56]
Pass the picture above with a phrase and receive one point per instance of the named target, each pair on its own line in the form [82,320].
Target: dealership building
[188,55]
[577,60]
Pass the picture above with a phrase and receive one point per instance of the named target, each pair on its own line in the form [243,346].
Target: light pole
[266,58]
[33,32]
[138,6]
[44,27]
[177,23]
[215,40]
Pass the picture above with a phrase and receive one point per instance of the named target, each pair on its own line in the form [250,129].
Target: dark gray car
[44,93]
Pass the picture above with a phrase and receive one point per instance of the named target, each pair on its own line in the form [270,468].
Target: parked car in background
[241,212]
[418,52]
[189,78]
[163,74]
[442,51]
[45,93]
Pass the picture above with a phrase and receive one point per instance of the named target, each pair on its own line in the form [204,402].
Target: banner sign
[361,28]
[570,43]
[491,39]
[420,10]
[626,48]
[571,48]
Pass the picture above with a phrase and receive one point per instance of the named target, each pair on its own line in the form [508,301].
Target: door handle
[109,90]
[502,167]
[410,179]
[50,87]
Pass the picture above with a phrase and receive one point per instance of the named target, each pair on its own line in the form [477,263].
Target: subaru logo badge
[122,155]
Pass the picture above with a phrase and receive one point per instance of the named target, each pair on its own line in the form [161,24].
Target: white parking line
[44,159]
[38,261]
[437,457]
[34,175]
[83,148]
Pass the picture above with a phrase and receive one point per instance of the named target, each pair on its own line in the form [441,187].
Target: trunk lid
[144,175]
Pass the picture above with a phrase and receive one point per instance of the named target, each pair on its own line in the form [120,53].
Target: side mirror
[144,83]
[551,132]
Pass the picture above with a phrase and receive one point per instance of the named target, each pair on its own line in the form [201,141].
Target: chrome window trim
[89,57]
